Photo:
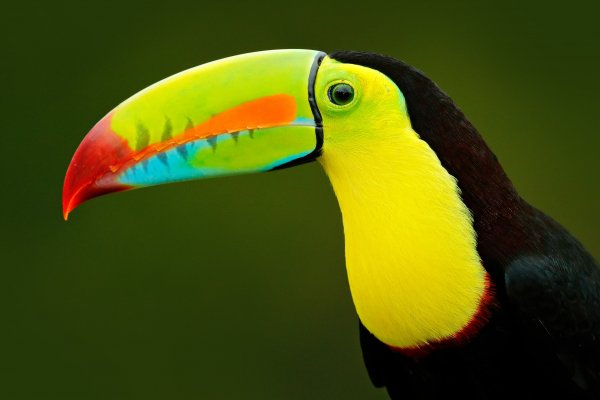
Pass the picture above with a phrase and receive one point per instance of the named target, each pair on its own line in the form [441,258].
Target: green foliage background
[236,288]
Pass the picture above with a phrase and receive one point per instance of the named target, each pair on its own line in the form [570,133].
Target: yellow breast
[413,268]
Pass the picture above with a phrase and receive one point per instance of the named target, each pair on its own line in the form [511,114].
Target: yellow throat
[413,268]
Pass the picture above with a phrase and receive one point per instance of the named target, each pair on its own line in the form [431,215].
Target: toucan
[462,288]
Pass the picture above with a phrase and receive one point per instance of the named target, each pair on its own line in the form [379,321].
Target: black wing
[555,297]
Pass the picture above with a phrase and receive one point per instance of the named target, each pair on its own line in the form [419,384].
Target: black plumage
[542,339]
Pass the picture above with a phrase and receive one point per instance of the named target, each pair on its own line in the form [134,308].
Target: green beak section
[248,113]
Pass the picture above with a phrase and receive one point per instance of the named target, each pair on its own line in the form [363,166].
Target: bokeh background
[236,288]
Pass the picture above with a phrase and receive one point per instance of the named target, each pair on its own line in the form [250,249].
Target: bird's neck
[415,275]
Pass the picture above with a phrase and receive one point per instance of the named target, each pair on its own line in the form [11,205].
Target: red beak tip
[66,209]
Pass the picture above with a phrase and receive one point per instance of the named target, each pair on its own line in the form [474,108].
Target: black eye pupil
[341,94]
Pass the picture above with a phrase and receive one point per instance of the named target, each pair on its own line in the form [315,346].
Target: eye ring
[341,94]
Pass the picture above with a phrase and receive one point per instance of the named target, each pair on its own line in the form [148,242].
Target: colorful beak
[248,113]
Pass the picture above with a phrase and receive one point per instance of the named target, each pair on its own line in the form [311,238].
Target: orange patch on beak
[265,112]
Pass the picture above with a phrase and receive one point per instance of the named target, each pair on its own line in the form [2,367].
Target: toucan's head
[394,146]
[250,113]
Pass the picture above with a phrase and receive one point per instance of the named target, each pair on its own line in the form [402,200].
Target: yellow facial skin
[414,271]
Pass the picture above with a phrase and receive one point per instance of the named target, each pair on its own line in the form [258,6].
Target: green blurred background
[236,288]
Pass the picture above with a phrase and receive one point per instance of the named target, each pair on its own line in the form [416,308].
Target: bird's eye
[341,94]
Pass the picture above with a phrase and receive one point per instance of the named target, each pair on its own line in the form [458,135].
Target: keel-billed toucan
[462,288]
